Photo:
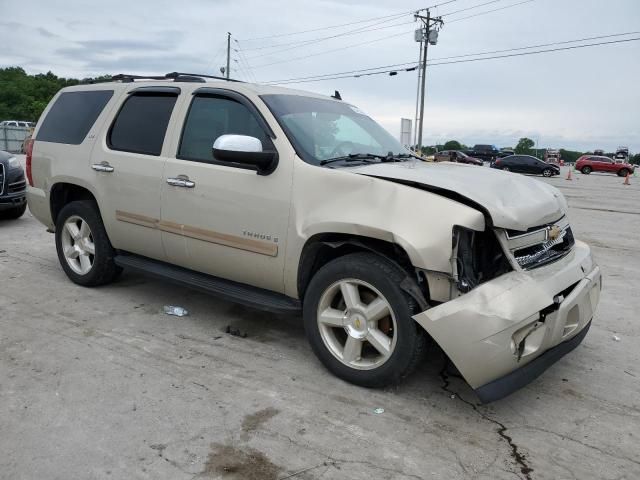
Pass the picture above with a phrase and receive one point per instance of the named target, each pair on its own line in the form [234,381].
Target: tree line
[24,96]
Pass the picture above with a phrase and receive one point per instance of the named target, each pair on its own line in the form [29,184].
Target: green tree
[24,96]
[524,146]
[454,145]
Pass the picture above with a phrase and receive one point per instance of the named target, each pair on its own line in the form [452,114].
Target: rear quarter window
[141,124]
[72,116]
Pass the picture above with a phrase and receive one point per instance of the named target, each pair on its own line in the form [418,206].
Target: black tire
[13,213]
[103,270]
[547,172]
[623,172]
[586,170]
[386,277]
[506,169]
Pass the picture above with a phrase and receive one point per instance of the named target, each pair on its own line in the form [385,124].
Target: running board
[226,289]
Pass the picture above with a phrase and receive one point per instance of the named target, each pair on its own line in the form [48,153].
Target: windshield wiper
[353,157]
[357,157]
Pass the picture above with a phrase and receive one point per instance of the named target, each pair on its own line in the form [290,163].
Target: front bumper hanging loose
[504,333]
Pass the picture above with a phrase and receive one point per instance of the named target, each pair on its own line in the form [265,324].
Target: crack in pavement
[518,457]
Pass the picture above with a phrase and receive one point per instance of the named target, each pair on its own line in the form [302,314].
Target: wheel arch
[62,193]
[322,248]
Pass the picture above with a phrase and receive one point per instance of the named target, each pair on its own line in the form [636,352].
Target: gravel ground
[100,384]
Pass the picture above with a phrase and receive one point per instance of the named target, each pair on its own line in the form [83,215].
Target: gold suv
[294,202]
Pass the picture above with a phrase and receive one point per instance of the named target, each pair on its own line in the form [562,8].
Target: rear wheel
[586,170]
[358,321]
[84,250]
[547,172]
[506,169]
[13,213]
[623,172]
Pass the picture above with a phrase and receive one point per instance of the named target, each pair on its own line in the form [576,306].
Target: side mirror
[245,150]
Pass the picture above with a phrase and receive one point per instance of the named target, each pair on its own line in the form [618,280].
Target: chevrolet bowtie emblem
[554,232]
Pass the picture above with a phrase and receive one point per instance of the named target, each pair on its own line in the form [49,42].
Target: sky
[580,99]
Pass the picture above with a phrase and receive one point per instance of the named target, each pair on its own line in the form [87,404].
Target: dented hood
[513,201]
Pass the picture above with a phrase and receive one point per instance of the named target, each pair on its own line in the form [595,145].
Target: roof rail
[175,76]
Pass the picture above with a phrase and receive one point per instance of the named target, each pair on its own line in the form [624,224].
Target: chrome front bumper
[504,324]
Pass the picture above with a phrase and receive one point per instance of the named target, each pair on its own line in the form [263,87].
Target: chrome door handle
[102,167]
[181,182]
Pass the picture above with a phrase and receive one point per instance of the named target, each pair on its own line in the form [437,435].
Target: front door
[128,165]
[221,218]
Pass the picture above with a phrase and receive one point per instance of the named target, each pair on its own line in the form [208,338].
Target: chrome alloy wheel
[357,324]
[77,245]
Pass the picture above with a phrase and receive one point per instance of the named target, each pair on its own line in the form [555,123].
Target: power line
[537,46]
[322,39]
[364,29]
[468,55]
[324,52]
[489,11]
[243,59]
[341,75]
[470,8]
[300,32]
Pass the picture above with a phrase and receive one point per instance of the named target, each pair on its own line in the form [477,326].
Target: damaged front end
[508,323]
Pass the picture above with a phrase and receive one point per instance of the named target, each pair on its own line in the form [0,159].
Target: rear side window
[210,117]
[72,116]
[141,123]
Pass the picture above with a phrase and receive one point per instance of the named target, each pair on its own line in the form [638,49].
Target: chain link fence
[12,138]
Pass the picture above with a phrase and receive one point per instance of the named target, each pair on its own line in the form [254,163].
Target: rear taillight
[29,158]
[497,162]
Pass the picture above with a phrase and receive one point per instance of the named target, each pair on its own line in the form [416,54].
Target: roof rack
[175,76]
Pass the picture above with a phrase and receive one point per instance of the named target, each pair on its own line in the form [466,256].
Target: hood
[512,200]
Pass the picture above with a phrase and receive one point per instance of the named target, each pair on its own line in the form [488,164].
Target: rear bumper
[38,201]
[493,333]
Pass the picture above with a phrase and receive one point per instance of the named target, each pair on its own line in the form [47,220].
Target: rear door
[128,162]
[516,164]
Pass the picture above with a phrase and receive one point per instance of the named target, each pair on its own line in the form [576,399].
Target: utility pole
[426,35]
[227,71]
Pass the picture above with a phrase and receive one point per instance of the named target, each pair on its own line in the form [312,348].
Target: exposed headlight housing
[478,257]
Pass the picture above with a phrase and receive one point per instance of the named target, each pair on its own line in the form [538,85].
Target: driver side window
[208,118]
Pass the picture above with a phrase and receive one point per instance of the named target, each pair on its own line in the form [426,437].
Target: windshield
[322,129]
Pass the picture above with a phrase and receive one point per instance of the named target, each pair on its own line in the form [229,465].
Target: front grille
[1,178]
[16,187]
[541,245]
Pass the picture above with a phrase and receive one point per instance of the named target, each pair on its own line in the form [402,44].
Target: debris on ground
[177,311]
[235,332]
[378,410]
[616,338]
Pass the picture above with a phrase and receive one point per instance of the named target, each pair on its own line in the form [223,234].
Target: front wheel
[623,172]
[83,247]
[506,169]
[586,170]
[547,172]
[358,321]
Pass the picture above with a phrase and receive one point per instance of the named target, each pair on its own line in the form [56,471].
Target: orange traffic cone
[569,175]
[626,179]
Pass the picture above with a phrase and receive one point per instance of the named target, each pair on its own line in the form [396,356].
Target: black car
[13,187]
[526,164]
